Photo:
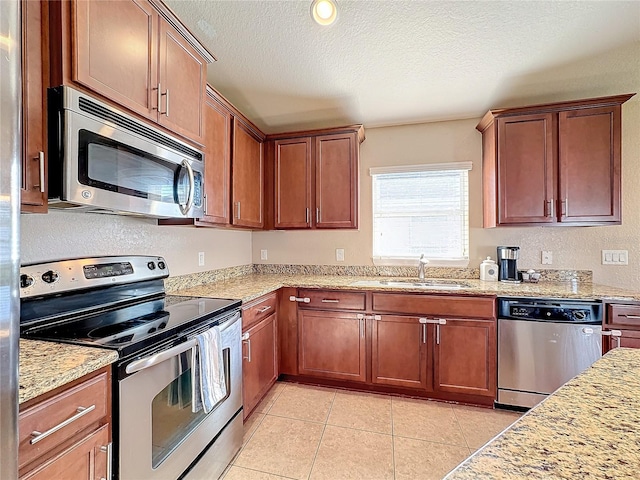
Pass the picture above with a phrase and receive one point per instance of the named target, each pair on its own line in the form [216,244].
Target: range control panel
[551,310]
[67,275]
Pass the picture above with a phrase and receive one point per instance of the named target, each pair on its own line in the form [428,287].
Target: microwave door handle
[192,186]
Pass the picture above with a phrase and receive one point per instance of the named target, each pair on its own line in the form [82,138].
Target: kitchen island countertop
[589,428]
[45,366]
[248,287]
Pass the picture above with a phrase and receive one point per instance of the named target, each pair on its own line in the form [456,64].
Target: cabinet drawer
[60,417]
[445,305]
[332,300]
[258,309]
[624,315]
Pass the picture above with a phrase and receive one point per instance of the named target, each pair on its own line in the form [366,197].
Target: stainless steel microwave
[104,160]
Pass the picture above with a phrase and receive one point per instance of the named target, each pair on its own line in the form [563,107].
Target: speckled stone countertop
[48,365]
[588,429]
[251,286]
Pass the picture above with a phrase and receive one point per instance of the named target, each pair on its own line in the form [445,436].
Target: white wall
[61,234]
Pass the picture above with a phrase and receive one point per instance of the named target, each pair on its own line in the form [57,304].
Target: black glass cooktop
[127,328]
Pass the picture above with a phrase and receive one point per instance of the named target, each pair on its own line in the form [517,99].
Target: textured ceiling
[393,62]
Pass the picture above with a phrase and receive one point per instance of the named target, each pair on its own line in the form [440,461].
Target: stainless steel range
[119,303]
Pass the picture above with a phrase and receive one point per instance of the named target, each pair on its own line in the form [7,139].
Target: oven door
[159,435]
[108,166]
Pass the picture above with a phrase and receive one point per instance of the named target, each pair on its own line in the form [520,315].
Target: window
[422,209]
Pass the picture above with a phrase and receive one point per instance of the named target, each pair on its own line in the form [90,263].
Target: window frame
[419,168]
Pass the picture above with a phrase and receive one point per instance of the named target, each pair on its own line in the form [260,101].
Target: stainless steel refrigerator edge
[10,148]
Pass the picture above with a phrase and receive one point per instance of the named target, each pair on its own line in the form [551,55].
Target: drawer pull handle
[108,449]
[81,412]
[297,299]
[634,317]
[264,309]
[330,300]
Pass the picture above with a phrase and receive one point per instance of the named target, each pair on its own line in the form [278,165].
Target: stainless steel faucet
[421,264]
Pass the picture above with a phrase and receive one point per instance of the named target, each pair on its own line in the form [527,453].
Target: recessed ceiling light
[324,12]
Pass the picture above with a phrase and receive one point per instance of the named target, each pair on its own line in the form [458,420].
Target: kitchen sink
[426,284]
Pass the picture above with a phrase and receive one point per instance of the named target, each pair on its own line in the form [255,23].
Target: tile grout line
[393,440]
[315,456]
[461,431]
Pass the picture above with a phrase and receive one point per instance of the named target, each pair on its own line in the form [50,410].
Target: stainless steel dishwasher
[543,343]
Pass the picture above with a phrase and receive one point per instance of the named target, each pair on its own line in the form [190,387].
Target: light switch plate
[615,257]
[547,257]
[339,254]
[263,254]
[201,259]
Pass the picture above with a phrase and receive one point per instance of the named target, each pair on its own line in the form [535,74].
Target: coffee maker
[507,262]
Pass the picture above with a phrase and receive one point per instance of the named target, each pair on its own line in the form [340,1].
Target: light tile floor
[317,433]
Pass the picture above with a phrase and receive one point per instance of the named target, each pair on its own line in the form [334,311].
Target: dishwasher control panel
[550,310]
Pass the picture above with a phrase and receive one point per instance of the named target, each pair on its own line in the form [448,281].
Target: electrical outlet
[615,257]
[547,257]
[263,254]
[339,254]
[201,259]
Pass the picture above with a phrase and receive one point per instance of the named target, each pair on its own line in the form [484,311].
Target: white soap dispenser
[489,270]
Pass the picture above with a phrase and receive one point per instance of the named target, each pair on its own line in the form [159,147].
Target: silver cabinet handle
[361,326]
[441,321]
[159,95]
[204,200]
[307,215]
[552,213]
[238,210]
[635,317]
[166,110]
[264,309]
[247,340]
[329,300]
[615,334]
[81,412]
[192,187]
[41,163]
[298,299]
[108,449]
[318,215]
[360,316]
[565,206]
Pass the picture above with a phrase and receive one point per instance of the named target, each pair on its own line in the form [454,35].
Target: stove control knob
[26,281]
[50,276]
[151,266]
[580,314]
[161,265]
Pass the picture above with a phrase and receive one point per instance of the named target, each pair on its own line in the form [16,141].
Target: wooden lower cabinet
[260,361]
[465,357]
[400,352]
[332,345]
[85,460]
[629,339]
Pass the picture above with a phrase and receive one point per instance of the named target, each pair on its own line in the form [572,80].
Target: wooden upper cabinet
[316,178]
[293,183]
[135,53]
[35,78]
[590,165]
[247,173]
[182,84]
[553,164]
[337,181]
[217,169]
[116,52]
[526,168]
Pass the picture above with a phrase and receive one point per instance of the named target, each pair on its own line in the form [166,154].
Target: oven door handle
[192,187]
[160,357]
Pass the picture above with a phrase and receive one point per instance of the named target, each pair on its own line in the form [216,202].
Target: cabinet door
[35,45]
[217,161]
[336,163]
[247,168]
[182,84]
[115,52]
[466,357]
[85,460]
[629,339]
[332,345]
[526,169]
[399,352]
[589,146]
[293,183]
[260,362]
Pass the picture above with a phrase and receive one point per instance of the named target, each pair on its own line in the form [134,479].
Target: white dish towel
[209,386]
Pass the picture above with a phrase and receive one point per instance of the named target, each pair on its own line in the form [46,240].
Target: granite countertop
[45,366]
[248,287]
[589,428]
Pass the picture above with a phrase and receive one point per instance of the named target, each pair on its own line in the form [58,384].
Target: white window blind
[421,209]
